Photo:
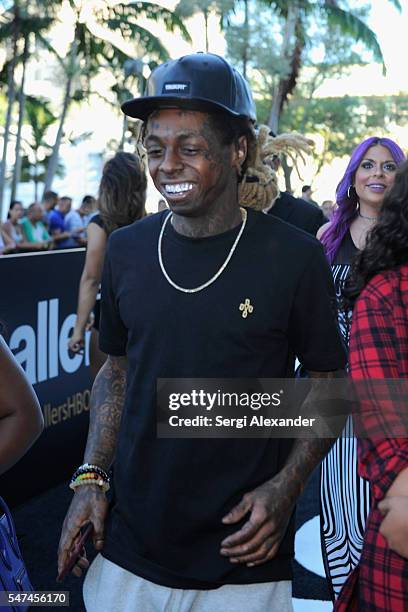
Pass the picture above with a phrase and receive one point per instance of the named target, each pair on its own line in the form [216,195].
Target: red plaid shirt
[379,350]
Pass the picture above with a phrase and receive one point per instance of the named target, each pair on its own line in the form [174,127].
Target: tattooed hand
[89,503]
[269,507]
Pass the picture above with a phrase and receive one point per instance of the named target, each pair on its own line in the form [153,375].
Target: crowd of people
[46,225]
[233,279]
[55,224]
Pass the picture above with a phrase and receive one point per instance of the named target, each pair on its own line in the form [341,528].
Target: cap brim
[141,108]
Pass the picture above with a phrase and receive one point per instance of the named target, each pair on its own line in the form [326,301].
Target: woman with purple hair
[345,497]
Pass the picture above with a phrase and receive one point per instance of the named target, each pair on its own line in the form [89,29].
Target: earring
[348,191]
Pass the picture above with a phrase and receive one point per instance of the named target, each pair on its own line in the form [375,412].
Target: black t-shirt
[97,219]
[170,495]
[298,212]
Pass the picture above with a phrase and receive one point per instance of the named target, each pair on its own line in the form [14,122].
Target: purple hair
[347,204]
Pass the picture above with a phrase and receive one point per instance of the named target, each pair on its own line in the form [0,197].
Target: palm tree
[91,51]
[296,14]
[20,20]
[9,33]
[7,124]
[21,108]
[40,118]
[33,29]
[129,81]
[187,8]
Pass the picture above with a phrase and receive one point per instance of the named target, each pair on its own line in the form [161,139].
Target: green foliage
[280,38]
[256,43]
[331,37]
[342,122]
[330,28]
[24,22]
[397,4]
[92,52]
[351,25]
[3,76]
[125,19]
[25,18]
[188,8]
[37,149]
[40,118]
[35,171]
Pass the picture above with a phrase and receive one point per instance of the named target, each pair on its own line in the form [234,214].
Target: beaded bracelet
[89,481]
[87,475]
[77,474]
[89,467]
[90,474]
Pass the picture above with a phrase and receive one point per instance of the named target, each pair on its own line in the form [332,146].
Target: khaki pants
[110,588]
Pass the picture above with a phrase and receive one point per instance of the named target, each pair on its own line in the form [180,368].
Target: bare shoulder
[322,230]
[96,234]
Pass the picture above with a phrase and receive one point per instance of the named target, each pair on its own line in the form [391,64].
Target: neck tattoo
[244,216]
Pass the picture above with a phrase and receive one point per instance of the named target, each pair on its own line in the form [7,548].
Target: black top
[346,251]
[97,219]
[298,212]
[341,269]
[165,524]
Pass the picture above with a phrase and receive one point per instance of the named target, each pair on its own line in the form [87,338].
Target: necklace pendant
[246,308]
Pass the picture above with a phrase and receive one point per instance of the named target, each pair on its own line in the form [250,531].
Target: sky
[391,29]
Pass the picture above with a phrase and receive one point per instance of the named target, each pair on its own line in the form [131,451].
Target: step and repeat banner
[37,308]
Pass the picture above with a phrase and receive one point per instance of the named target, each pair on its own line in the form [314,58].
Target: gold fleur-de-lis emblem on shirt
[246,308]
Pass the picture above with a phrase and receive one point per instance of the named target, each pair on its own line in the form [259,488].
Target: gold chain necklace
[217,274]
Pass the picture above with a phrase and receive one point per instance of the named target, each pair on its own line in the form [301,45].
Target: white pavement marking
[307,547]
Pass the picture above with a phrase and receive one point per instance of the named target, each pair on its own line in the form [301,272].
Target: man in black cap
[307,195]
[197,292]
[296,211]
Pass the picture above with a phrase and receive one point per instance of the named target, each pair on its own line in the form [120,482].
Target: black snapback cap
[200,81]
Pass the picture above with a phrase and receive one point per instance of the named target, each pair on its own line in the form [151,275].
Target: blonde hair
[258,188]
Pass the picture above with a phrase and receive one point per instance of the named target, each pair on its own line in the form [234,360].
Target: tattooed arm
[307,453]
[89,503]
[270,506]
[107,398]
